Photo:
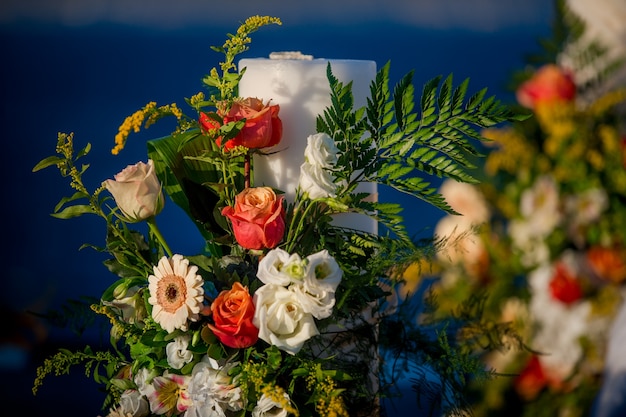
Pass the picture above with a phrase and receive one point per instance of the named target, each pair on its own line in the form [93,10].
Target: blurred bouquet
[280,313]
[544,235]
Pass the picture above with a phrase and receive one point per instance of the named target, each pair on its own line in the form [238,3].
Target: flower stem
[154,229]
[246,170]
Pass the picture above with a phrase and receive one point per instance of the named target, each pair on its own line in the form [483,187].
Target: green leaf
[73,211]
[51,160]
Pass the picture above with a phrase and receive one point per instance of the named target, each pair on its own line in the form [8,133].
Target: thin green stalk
[154,229]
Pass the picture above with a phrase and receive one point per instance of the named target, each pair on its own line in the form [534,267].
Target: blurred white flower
[466,200]
[559,326]
[604,23]
[583,209]
[539,205]
[531,249]
[462,244]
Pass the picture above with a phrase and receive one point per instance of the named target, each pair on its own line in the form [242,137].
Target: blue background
[87,78]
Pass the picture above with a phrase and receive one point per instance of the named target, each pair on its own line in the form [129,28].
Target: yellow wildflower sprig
[254,374]
[326,394]
[66,162]
[146,116]
[61,362]
[226,83]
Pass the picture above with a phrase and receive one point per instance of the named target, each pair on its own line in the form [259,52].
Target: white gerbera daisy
[176,293]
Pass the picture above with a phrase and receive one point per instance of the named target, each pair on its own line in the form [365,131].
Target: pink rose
[137,192]
[550,83]
[233,311]
[258,218]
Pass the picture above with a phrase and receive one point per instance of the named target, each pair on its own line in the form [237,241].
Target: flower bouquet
[256,323]
[545,232]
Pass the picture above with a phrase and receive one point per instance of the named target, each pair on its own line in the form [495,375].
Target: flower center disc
[171,293]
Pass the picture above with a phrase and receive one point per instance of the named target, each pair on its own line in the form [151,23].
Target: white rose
[321,151]
[281,319]
[177,353]
[316,181]
[266,407]
[280,268]
[137,192]
[133,403]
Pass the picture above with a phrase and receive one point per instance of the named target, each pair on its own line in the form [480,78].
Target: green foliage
[402,144]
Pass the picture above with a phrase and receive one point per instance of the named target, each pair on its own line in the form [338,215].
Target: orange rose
[258,218]
[232,312]
[608,263]
[550,83]
[262,129]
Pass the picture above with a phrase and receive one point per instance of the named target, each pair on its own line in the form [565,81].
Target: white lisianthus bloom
[281,319]
[212,390]
[133,403]
[320,156]
[466,200]
[266,407]
[323,272]
[177,353]
[316,182]
[143,381]
[280,268]
[321,150]
[176,293]
[319,304]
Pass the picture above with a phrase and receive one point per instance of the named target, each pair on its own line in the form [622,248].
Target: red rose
[262,129]
[564,286]
[258,218]
[549,83]
[232,312]
[531,380]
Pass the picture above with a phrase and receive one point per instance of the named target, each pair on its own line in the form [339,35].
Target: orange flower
[549,84]
[263,128]
[232,312]
[258,218]
[608,263]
